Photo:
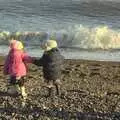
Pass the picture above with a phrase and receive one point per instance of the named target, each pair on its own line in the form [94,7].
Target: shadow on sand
[37,112]
[5,94]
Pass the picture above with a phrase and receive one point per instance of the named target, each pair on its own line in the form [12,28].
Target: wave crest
[100,37]
[89,38]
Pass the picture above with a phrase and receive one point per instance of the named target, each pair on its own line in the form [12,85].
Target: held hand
[33,60]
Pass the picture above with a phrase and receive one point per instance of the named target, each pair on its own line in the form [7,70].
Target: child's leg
[57,84]
[22,88]
[49,83]
[50,87]
[23,92]
[12,85]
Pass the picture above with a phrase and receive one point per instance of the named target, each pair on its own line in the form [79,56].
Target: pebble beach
[90,91]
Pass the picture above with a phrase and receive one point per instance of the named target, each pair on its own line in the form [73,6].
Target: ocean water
[84,29]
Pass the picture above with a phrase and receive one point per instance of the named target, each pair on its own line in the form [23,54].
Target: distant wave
[100,37]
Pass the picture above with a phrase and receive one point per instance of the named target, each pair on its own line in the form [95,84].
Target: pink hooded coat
[15,62]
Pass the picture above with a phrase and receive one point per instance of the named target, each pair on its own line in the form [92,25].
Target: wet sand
[90,91]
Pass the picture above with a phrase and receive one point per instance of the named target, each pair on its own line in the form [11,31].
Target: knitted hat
[49,44]
[14,44]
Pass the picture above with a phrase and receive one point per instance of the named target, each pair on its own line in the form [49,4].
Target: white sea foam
[79,36]
[89,38]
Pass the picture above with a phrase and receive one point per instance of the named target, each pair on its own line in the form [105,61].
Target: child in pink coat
[15,67]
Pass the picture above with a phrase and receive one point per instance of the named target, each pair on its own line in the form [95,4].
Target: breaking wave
[100,37]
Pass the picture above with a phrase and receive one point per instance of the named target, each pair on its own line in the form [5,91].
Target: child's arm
[26,58]
[38,62]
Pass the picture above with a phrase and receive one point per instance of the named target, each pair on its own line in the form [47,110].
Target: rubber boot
[24,96]
[17,89]
[57,84]
[49,85]
[12,90]
[23,93]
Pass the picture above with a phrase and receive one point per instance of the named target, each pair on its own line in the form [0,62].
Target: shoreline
[2,58]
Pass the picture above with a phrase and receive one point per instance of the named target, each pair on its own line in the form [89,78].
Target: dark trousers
[54,83]
[14,81]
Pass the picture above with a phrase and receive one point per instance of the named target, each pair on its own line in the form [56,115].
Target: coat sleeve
[26,58]
[38,62]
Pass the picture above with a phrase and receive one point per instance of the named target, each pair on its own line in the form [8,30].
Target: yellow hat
[14,44]
[50,44]
[19,45]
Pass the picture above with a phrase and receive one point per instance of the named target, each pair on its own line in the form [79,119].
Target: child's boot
[50,85]
[58,91]
[23,93]
[17,89]
[12,89]
[57,84]
[24,96]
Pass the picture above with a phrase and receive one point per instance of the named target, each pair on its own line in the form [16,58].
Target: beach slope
[90,89]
